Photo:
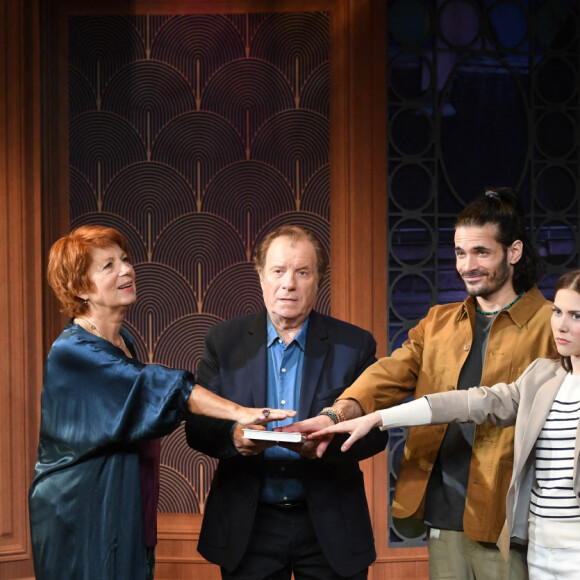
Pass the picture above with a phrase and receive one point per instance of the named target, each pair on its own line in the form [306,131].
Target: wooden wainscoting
[21,279]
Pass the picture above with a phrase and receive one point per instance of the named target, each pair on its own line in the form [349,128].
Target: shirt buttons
[283,370]
[283,402]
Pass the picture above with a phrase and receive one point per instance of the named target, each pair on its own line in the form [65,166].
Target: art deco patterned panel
[195,135]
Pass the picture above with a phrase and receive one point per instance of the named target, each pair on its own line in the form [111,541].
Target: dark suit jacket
[234,365]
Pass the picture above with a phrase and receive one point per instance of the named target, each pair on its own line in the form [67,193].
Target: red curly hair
[69,260]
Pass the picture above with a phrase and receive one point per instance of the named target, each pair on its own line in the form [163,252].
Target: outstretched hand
[201,401]
[357,428]
[314,447]
[250,416]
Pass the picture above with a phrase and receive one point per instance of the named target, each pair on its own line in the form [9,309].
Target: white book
[279,436]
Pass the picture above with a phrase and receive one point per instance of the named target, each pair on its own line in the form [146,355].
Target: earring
[85,302]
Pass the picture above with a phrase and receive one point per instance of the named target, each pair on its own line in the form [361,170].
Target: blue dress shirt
[285,364]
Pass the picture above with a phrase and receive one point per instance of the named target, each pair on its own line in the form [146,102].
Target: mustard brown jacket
[430,361]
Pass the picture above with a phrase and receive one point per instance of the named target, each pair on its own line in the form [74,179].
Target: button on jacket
[430,361]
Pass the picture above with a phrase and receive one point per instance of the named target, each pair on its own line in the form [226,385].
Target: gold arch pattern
[148,94]
[296,49]
[261,93]
[195,135]
[198,46]
[104,144]
[198,145]
[160,192]
[181,343]
[197,469]
[100,47]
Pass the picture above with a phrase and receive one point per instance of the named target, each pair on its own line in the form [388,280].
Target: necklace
[496,311]
[93,327]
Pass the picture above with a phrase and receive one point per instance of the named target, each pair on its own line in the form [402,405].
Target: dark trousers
[283,542]
[150,563]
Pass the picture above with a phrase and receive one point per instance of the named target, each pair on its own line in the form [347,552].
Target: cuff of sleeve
[366,402]
[416,412]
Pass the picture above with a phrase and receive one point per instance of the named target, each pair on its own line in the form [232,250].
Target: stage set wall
[38,172]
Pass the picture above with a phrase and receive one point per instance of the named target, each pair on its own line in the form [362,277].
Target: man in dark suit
[275,509]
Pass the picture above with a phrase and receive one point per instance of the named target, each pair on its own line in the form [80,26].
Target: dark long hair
[568,281]
[503,206]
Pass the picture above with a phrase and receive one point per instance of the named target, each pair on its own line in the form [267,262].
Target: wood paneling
[21,281]
[358,222]
[358,236]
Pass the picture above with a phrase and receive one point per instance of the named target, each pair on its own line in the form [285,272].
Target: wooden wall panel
[358,224]
[20,297]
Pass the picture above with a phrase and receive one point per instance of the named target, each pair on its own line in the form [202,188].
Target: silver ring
[266,413]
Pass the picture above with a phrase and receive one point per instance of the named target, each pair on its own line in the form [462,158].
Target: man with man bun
[455,477]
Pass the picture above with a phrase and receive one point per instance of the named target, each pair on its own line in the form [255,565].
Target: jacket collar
[520,312]
[315,354]
[257,363]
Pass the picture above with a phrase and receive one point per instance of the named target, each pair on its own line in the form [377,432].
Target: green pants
[453,556]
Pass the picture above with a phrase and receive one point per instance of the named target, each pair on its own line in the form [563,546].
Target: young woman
[93,500]
[542,504]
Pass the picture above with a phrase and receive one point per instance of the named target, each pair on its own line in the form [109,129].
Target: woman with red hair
[93,500]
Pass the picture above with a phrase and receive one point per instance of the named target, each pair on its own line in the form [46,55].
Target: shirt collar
[273,335]
[520,312]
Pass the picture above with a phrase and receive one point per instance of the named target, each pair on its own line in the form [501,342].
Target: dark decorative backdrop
[480,93]
[195,135]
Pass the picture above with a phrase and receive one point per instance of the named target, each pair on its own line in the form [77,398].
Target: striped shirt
[554,509]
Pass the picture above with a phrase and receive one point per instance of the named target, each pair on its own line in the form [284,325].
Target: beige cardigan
[525,403]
